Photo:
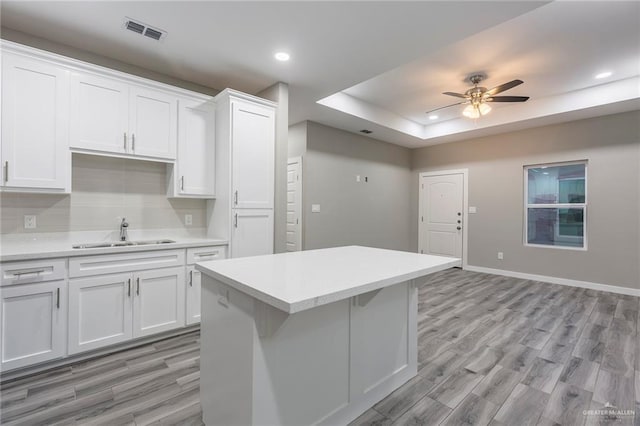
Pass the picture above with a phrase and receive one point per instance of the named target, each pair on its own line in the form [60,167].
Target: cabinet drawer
[201,254]
[125,262]
[32,271]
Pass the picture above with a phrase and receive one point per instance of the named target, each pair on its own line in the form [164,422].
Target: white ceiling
[385,63]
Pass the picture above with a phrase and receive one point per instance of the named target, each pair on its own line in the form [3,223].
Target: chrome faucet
[123,230]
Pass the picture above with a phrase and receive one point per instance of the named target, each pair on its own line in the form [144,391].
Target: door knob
[458,228]
[459,214]
[459,221]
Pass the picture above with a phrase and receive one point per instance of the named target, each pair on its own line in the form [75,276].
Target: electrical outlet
[29,221]
[357,178]
[500,255]
[315,208]
[188,219]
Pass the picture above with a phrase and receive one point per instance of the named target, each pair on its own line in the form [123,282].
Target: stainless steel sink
[121,244]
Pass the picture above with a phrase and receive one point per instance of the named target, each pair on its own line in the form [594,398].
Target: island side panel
[226,355]
[302,368]
[383,329]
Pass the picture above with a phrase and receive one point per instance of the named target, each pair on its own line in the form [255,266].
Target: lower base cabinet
[109,309]
[33,323]
[194,282]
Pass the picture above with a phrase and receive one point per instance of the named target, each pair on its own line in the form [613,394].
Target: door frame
[465,207]
[294,160]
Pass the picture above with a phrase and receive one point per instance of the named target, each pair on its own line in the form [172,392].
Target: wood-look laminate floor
[493,350]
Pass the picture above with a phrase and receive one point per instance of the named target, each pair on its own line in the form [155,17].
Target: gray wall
[279,93]
[611,144]
[374,213]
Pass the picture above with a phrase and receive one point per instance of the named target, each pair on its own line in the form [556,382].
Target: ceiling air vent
[144,29]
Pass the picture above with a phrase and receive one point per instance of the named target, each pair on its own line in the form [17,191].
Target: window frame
[557,206]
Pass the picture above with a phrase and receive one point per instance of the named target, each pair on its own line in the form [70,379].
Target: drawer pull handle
[191,278]
[21,273]
[133,142]
[6,171]
[58,298]
[235,221]
[235,198]
[129,288]
[138,288]
[125,142]
[182,183]
[213,253]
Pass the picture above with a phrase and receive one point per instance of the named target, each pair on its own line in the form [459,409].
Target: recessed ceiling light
[603,75]
[433,117]
[282,56]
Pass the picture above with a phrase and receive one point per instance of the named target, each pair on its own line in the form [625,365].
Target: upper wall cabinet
[113,117]
[193,173]
[252,154]
[35,105]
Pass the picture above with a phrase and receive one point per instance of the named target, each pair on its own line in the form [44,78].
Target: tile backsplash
[103,191]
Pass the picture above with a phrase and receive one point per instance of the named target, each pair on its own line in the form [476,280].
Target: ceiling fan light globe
[484,109]
[471,112]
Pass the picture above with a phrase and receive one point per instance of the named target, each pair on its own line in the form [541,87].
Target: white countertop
[297,281]
[59,244]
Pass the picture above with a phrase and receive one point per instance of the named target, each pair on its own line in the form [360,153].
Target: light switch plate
[315,208]
[473,210]
[29,221]
[188,219]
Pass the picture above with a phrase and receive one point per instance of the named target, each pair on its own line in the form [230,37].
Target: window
[556,205]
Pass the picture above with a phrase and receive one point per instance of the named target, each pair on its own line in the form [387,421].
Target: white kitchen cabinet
[35,107]
[194,279]
[252,232]
[100,311]
[109,309]
[245,145]
[158,304]
[33,320]
[153,118]
[193,297]
[99,120]
[110,116]
[193,174]
[252,155]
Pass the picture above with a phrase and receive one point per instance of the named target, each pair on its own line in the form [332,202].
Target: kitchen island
[311,337]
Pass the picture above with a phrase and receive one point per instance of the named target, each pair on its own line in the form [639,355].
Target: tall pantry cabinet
[245,138]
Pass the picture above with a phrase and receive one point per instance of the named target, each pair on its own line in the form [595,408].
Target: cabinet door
[196,149]
[100,310]
[99,120]
[253,144]
[153,118]
[252,232]
[159,301]
[33,322]
[35,110]
[194,280]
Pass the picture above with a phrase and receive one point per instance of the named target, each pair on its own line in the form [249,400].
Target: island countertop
[296,281]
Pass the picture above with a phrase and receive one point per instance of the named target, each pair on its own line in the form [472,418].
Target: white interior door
[294,204]
[441,214]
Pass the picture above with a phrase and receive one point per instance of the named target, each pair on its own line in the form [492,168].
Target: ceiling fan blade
[438,109]
[507,99]
[503,87]
[457,95]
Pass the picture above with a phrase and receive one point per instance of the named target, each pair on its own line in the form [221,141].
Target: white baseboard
[556,280]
